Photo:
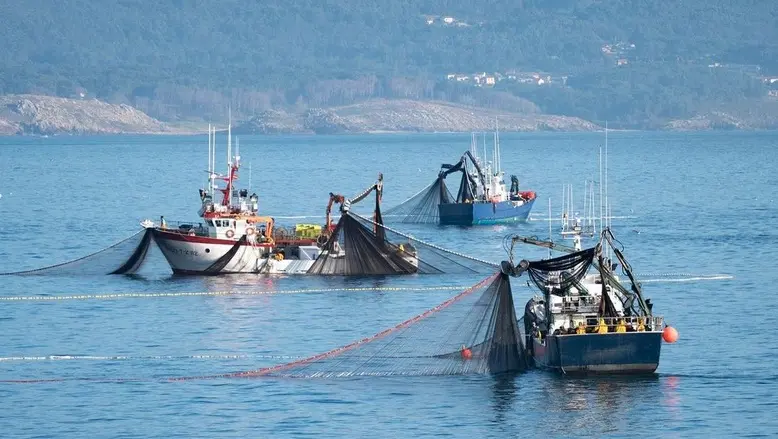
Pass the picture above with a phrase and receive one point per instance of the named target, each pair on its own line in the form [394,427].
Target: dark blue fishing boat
[585,322]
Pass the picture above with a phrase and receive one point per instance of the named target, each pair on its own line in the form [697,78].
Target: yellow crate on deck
[307,230]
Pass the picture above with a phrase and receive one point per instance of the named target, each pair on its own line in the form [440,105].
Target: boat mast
[602,226]
[607,203]
[213,162]
[210,172]
[497,145]
[549,227]
[229,141]
[230,168]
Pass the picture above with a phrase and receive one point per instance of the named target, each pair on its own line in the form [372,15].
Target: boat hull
[468,214]
[613,353]
[196,255]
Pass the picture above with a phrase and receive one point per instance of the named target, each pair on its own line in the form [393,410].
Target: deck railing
[184,227]
[654,323]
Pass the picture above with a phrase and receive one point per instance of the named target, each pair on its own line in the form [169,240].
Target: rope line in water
[689,279]
[641,275]
[105,296]
[659,277]
[143,358]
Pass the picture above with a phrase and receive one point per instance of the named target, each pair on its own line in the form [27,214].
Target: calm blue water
[703,204]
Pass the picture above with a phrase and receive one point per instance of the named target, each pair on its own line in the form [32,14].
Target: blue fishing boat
[482,197]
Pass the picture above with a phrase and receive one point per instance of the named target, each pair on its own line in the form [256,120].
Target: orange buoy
[466,353]
[670,335]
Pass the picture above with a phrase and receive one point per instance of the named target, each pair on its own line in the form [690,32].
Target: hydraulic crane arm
[346,203]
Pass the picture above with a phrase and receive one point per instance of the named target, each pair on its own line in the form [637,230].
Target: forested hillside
[192,58]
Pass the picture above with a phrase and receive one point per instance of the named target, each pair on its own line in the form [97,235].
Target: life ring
[230,234]
[250,231]
[322,239]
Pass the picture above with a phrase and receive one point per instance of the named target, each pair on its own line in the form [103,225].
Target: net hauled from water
[560,273]
[422,208]
[362,246]
[474,332]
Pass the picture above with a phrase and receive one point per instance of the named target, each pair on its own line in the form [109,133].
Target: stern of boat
[612,353]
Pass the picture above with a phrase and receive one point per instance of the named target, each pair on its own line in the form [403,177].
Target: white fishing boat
[232,237]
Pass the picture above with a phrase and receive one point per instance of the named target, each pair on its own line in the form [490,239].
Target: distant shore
[53,116]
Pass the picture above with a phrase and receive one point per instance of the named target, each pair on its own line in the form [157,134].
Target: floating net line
[361,246]
[172,294]
[422,208]
[124,257]
[130,358]
[474,332]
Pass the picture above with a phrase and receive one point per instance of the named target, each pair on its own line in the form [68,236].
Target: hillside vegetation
[192,59]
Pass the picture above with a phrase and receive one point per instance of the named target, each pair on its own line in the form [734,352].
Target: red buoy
[670,335]
[467,353]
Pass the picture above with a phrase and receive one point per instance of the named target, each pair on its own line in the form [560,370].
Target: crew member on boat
[601,327]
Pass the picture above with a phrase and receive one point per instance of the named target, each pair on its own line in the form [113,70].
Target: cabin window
[210,223]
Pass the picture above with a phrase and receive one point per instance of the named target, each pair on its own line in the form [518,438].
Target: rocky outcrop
[434,116]
[403,115]
[321,121]
[705,122]
[33,114]
[271,122]
[7,128]
[751,115]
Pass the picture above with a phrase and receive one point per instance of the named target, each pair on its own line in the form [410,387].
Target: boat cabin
[234,227]
[580,304]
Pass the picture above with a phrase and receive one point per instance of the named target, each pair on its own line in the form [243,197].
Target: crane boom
[345,203]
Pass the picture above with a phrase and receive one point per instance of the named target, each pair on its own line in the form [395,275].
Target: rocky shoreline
[386,116]
[47,115]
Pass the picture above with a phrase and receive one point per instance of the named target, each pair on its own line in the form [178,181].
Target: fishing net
[124,257]
[475,331]
[422,208]
[361,246]
[558,274]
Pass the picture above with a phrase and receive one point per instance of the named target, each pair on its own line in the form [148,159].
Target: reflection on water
[671,399]
[505,391]
[588,403]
